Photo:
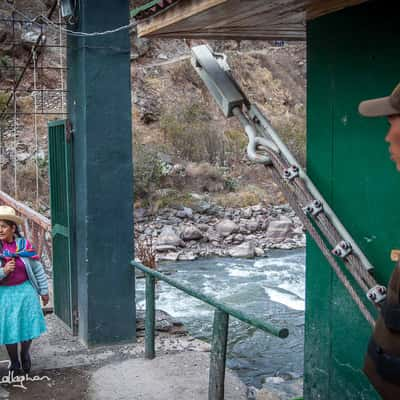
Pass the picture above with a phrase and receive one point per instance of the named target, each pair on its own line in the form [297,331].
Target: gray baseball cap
[383,106]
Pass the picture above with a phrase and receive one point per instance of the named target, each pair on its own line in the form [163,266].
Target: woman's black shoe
[15,367]
[26,363]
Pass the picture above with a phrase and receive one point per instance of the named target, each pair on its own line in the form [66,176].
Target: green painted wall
[352,55]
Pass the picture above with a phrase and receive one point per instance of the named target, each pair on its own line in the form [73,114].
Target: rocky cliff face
[182,142]
[164,82]
[176,119]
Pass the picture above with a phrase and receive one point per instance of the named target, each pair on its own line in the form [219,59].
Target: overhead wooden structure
[237,19]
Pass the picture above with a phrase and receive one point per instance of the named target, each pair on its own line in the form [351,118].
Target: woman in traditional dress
[22,281]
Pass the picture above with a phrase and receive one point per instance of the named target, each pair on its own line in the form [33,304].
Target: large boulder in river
[247,213]
[244,250]
[226,227]
[279,230]
[252,225]
[172,256]
[163,322]
[191,232]
[185,213]
[203,227]
[165,248]
[190,256]
[168,236]
[212,235]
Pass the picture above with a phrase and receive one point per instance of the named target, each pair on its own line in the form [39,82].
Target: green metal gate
[61,201]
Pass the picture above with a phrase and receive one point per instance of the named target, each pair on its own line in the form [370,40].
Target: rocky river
[271,288]
[185,234]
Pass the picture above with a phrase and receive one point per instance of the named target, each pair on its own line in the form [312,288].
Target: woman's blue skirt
[21,315]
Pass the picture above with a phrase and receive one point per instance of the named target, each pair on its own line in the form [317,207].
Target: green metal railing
[220,327]
[143,7]
[147,6]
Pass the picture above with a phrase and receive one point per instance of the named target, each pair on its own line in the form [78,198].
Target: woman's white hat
[8,213]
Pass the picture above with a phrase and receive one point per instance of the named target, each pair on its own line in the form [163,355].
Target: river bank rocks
[210,230]
[163,323]
[278,388]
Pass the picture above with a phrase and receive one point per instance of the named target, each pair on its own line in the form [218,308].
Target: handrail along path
[220,327]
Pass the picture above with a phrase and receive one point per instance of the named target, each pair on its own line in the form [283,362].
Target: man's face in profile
[393,138]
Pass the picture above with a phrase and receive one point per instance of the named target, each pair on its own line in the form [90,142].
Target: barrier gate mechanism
[303,196]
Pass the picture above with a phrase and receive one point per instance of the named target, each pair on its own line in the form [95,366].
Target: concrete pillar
[99,104]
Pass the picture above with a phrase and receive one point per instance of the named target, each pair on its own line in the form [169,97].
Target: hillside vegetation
[184,149]
[180,128]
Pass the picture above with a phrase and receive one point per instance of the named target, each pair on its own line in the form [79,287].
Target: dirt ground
[66,384]
[179,376]
[115,372]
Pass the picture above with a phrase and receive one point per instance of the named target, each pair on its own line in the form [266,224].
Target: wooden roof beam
[239,19]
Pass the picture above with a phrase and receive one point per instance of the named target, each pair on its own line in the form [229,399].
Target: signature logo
[18,381]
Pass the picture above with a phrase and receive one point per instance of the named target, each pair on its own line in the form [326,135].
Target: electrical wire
[92,34]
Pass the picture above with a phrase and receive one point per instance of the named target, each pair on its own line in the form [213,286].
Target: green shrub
[189,132]
[43,163]
[183,71]
[147,171]
[172,198]
[203,170]
[6,67]
[6,61]
[3,101]
[293,133]
[249,195]
[236,145]
[231,184]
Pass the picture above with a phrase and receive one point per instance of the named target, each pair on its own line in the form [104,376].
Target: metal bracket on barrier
[314,208]
[214,71]
[377,294]
[342,249]
[291,172]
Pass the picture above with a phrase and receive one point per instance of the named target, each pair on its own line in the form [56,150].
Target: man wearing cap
[387,107]
[382,361]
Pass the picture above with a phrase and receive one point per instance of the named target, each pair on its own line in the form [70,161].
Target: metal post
[216,383]
[99,106]
[150,317]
